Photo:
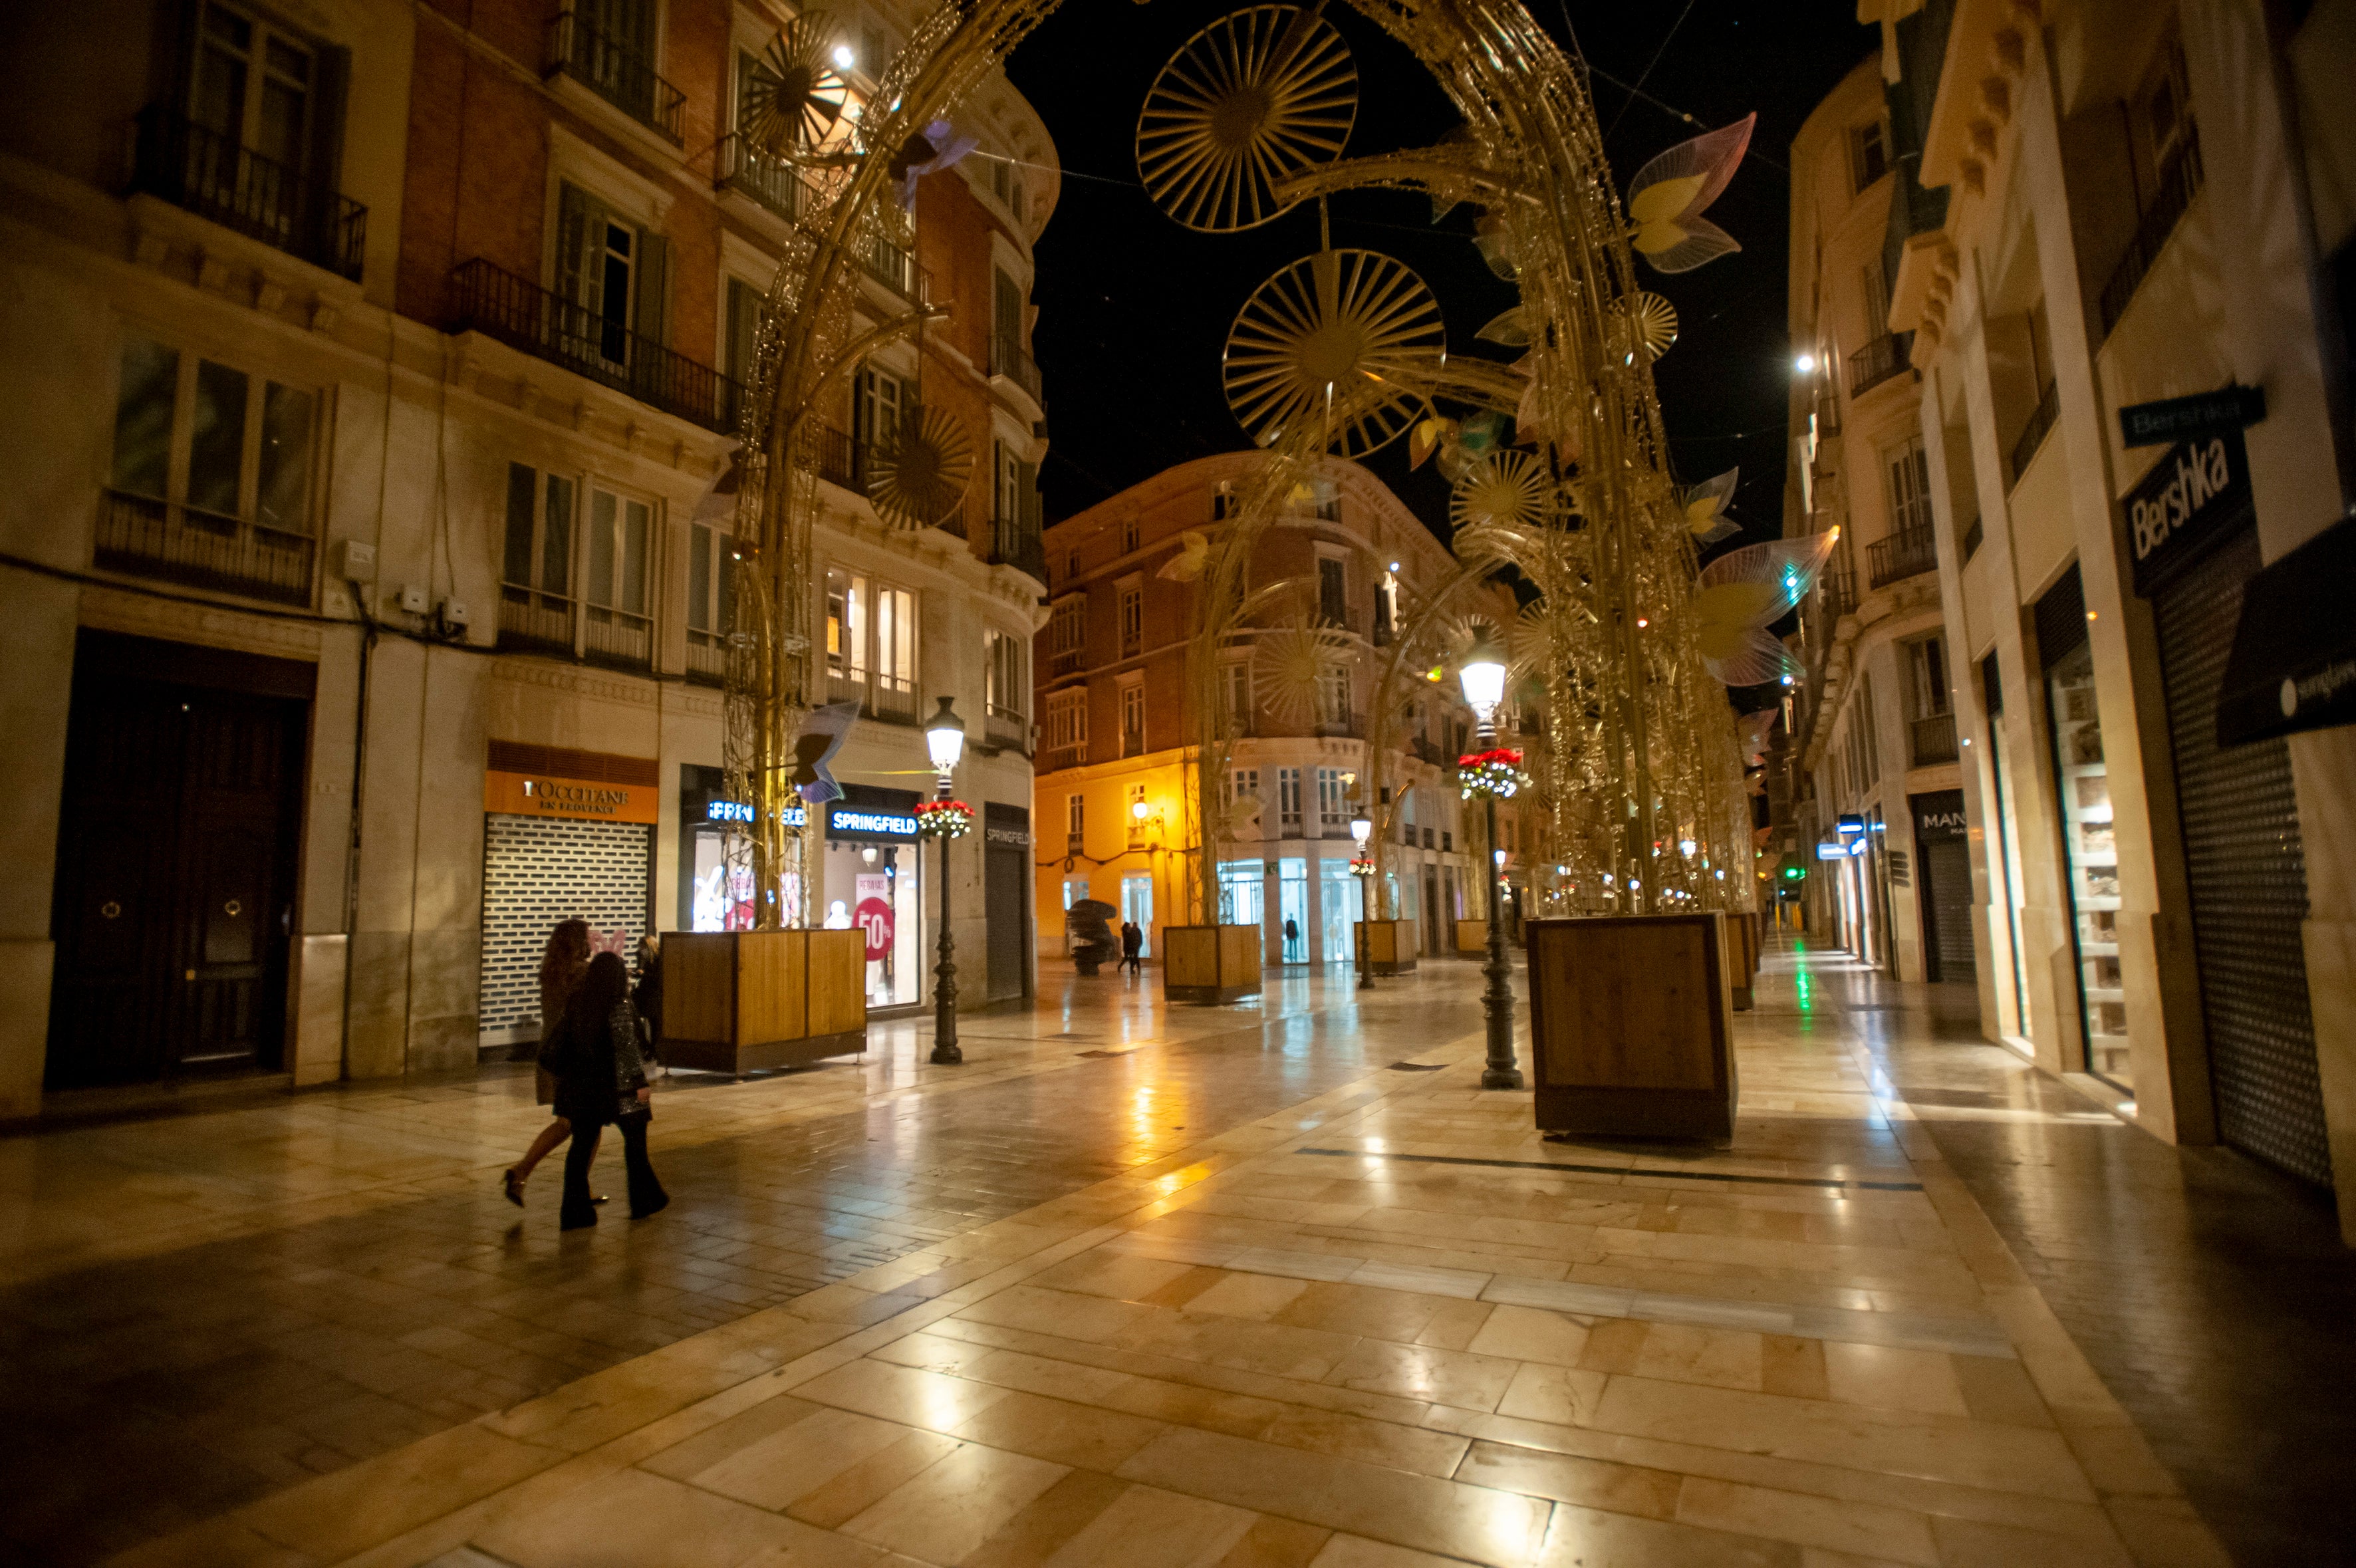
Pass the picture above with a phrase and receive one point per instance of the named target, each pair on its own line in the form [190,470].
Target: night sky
[1133,308]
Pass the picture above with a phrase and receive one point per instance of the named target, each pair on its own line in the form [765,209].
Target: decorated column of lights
[1338,353]
[945,818]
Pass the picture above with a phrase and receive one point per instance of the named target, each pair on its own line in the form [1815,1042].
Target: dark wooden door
[174,891]
[1003,871]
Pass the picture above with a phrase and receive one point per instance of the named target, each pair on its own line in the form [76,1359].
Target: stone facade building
[369,363]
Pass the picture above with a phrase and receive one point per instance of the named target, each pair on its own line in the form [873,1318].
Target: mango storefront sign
[575,786]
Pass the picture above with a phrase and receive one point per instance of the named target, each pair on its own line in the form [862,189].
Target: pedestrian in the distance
[647,997]
[1132,945]
[601,1080]
[1292,940]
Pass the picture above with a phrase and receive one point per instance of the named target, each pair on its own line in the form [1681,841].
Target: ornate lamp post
[1362,828]
[1483,673]
[945,739]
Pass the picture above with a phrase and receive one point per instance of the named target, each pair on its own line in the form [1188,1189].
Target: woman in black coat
[601,1080]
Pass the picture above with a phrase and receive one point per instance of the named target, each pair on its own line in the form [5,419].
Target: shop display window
[2089,853]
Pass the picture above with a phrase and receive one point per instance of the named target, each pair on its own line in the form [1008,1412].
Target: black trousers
[647,1194]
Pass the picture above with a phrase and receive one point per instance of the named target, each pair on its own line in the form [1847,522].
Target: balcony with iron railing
[1879,360]
[617,638]
[203,172]
[1015,542]
[150,538]
[707,658]
[1835,594]
[497,304]
[1007,359]
[532,621]
[1909,552]
[2180,182]
[2032,434]
[895,268]
[617,72]
[781,187]
[1932,739]
[1006,728]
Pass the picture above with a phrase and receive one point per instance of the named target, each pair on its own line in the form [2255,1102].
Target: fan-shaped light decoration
[1193,554]
[1255,97]
[1646,324]
[1344,337]
[1706,505]
[1509,490]
[1428,436]
[918,479]
[794,96]
[1529,642]
[1491,238]
[1742,593]
[1667,198]
[1290,661]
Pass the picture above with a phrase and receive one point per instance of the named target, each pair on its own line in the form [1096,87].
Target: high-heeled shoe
[513,1185]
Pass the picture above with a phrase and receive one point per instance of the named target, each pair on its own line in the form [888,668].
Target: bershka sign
[2201,489]
[2190,418]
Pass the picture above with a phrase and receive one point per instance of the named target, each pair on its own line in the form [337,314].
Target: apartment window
[1333,694]
[256,86]
[1288,800]
[1076,819]
[711,597]
[895,652]
[211,476]
[1130,535]
[1909,470]
[1132,717]
[1005,321]
[614,273]
[1872,742]
[1407,816]
[2162,107]
[1332,591]
[1222,501]
[1132,618]
[1067,719]
[1006,684]
[1875,282]
[1868,152]
[1068,626]
[1926,666]
[846,633]
[875,411]
[1332,808]
[742,327]
[613,577]
[1006,183]
[1238,678]
[1243,784]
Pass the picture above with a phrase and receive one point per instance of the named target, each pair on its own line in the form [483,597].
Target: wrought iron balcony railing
[2180,182]
[534,622]
[179,161]
[1908,553]
[1932,739]
[522,315]
[896,270]
[707,658]
[1879,360]
[2032,434]
[772,182]
[1008,359]
[1005,727]
[151,538]
[614,71]
[1016,543]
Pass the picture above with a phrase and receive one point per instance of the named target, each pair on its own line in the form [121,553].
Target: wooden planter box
[740,1002]
[1473,937]
[1746,938]
[1631,1026]
[1210,963]
[1387,945]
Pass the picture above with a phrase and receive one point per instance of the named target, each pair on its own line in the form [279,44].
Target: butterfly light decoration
[1667,198]
[1194,554]
[936,148]
[1705,506]
[1742,593]
[822,736]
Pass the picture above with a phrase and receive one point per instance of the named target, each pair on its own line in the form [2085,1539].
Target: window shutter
[577,274]
[1027,478]
[744,317]
[651,311]
[331,77]
[1007,318]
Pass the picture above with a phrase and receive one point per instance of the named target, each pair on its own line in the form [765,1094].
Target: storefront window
[874,883]
[2090,852]
[1340,894]
[1241,894]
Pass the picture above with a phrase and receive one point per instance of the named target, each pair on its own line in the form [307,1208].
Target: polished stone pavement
[1134,1284]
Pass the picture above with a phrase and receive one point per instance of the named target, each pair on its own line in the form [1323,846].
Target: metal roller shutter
[2248,875]
[1947,892]
[537,873]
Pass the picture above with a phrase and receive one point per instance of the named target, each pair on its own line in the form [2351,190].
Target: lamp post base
[1497,997]
[944,1041]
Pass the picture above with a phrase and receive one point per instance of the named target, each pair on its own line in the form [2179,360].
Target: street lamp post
[1362,828]
[1483,676]
[944,740]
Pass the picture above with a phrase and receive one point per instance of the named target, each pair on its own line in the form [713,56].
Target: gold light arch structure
[1636,767]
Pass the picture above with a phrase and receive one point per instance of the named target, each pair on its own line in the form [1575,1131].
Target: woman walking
[564,964]
[601,1080]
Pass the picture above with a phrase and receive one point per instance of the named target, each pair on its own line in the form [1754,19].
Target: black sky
[1133,308]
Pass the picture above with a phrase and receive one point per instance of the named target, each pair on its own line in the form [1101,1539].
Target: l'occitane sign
[599,788]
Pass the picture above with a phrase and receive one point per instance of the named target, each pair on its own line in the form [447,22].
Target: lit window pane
[217,441]
[143,418]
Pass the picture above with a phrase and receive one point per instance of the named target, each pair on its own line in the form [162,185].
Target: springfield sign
[2200,488]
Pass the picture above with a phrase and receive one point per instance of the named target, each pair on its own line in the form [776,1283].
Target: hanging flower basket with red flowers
[944,819]
[1362,866]
[1495,775]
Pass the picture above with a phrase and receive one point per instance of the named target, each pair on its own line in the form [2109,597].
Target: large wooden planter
[1387,945]
[1473,937]
[1631,1026]
[1210,963]
[740,1002]
[1745,938]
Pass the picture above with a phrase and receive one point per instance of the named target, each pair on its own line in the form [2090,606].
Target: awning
[2294,662]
